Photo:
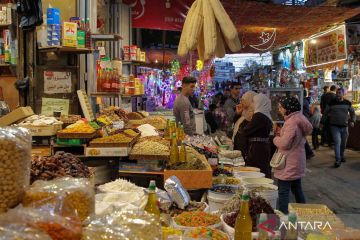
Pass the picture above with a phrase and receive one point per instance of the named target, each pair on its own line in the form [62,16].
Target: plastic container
[246,169]
[270,195]
[247,174]
[223,196]
[216,204]
[257,181]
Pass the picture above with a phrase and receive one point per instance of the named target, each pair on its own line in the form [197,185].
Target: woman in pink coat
[291,143]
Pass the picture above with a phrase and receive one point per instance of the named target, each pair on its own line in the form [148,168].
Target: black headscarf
[291,104]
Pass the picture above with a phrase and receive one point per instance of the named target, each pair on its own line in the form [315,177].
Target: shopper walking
[257,131]
[246,110]
[322,100]
[230,106]
[337,114]
[315,120]
[306,112]
[183,110]
[291,143]
[326,137]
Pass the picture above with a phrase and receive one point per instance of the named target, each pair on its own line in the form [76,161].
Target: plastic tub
[246,169]
[216,204]
[257,181]
[270,195]
[246,174]
[223,196]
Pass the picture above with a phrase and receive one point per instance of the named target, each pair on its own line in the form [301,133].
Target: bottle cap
[152,185]
[292,217]
[245,195]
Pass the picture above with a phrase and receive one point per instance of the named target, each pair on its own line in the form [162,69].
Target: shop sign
[51,105]
[57,82]
[155,14]
[328,47]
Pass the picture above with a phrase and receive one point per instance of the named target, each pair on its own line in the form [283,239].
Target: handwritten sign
[57,82]
[51,105]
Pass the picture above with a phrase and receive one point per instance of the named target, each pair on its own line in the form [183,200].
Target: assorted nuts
[15,155]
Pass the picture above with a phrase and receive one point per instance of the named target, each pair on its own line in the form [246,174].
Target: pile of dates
[60,165]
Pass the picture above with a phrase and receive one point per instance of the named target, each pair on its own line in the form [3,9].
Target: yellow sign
[51,105]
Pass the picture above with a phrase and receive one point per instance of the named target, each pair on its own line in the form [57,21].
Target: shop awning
[292,23]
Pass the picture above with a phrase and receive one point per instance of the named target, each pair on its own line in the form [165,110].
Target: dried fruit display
[257,205]
[192,207]
[78,127]
[117,138]
[206,233]
[150,148]
[60,165]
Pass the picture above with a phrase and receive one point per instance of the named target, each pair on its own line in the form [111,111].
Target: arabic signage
[326,48]
[57,82]
[155,14]
[51,105]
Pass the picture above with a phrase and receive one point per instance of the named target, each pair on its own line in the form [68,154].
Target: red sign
[159,14]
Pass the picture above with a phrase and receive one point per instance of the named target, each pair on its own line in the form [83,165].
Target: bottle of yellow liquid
[292,232]
[166,130]
[182,153]
[181,132]
[174,150]
[243,224]
[151,205]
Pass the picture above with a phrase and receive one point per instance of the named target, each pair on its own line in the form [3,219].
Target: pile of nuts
[15,155]
[117,138]
[60,165]
[150,148]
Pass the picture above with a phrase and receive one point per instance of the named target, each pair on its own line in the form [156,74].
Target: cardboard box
[15,116]
[203,178]
[44,131]
[107,152]
[69,34]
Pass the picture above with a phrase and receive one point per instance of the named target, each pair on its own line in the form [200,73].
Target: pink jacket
[292,143]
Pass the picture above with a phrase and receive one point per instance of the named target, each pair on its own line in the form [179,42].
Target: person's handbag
[278,160]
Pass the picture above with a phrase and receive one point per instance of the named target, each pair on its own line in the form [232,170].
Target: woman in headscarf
[246,109]
[257,132]
[291,143]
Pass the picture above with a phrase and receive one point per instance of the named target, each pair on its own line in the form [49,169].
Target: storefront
[93,152]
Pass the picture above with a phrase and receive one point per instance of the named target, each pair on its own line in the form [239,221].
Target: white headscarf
[248,100]
[262,104]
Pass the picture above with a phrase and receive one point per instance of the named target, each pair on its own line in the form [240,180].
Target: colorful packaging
[69,34]
[53,16]
[81,39]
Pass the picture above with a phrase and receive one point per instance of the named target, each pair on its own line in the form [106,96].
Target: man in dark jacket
[210,118]
[306,113]
[326,99]
[337,114]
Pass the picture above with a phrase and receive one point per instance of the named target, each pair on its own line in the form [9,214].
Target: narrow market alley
[338,188]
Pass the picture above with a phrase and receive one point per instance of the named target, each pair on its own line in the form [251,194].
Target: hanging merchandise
[31,11]
[202,32]
[199,65]
[175,66]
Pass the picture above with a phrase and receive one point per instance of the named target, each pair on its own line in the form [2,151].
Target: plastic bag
[57,227]
[63,196]
[133,225]
[20,231]
[15,158]
[177,192]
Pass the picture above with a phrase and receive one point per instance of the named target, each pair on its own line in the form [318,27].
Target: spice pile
[78,127]
[60,165]
[206,233]
[196,219]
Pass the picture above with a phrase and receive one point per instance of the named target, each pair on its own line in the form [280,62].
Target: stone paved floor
[338,188]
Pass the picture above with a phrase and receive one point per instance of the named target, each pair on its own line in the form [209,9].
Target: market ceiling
[255,21]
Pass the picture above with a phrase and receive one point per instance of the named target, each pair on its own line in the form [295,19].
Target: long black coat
[258,153]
